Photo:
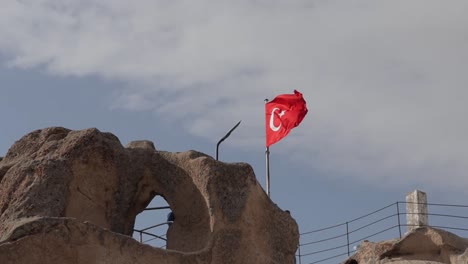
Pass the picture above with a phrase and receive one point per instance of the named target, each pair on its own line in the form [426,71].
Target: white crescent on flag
[272,119]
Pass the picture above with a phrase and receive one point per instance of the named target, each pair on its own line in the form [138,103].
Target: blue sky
[385,83]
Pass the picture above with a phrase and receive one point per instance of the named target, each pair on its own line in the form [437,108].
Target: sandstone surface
[424,245]
[73,196]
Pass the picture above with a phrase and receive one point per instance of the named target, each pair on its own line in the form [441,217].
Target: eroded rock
[144,144]
[81,191]
[423,245]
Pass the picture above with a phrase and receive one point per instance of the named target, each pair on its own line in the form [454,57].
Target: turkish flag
[283,113]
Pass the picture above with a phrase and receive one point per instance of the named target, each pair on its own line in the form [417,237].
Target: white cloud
[385,80]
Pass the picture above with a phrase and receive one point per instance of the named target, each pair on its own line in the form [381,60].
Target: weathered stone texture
[423,245]
[416,208]
[73,196]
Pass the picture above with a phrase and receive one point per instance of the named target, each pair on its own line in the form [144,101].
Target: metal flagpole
[267,158]
[225,136]
[267,154]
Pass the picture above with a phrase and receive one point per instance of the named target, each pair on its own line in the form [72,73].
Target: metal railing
[332,244]
[143,231]
[149,234]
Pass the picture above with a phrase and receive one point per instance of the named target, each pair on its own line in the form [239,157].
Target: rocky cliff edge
[73,196]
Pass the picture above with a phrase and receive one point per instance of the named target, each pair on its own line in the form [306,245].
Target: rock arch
[74,186]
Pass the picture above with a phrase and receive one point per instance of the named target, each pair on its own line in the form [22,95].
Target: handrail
[368,227]
[151,239]
[373,223]
[322,229]
[438,204]
[153,235]
[157,208]
[143,231]
[343,241]
[147,228]
[323,240]
[374,234]
[371,213]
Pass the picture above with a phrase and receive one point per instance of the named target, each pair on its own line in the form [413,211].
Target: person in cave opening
[170,218]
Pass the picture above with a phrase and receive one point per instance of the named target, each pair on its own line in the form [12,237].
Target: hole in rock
[152,224]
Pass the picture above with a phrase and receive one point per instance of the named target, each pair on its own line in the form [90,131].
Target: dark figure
[170,218]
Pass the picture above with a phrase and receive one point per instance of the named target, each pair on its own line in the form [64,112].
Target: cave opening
[152,224]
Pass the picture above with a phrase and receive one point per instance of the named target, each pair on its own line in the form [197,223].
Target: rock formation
[424,245]
[73,196]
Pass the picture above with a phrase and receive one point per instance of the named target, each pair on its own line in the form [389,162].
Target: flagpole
[267,154]
[267,160]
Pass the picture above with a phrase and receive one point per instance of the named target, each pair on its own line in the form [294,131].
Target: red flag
[283,113]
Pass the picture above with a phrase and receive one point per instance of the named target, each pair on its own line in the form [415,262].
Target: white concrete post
[416,209]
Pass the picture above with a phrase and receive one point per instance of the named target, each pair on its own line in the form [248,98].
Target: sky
[385,84]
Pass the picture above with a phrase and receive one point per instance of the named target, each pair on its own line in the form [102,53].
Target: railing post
[141,237]
[347,236]
[299,251]
[398,215]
